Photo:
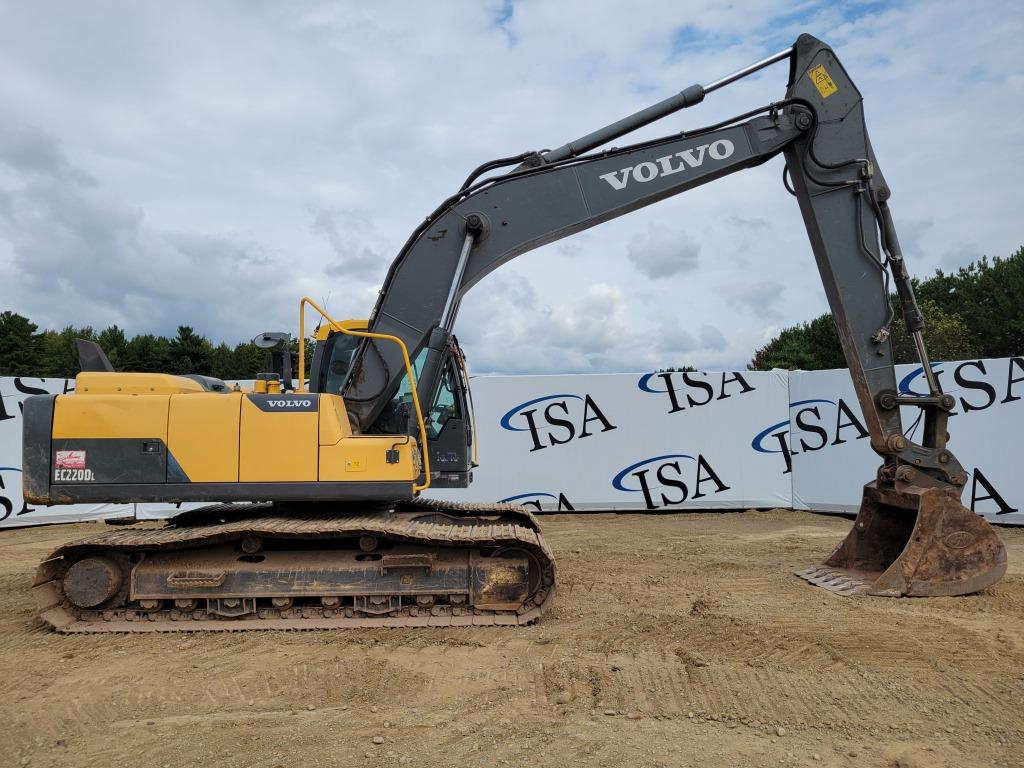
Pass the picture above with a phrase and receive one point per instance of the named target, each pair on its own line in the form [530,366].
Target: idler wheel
[91,581]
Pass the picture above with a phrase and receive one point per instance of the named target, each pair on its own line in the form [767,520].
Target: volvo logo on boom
[669,164]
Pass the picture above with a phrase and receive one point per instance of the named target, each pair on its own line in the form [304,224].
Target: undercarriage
[260,566]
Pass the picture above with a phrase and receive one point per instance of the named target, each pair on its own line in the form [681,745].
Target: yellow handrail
[336,326]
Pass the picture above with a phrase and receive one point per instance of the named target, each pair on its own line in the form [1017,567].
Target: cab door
[450,428]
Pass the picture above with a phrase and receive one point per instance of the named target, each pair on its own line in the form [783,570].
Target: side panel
[36,456]
[333,419]
[364,457]
[109,416]
[109,439]
[278,438]
[202,435]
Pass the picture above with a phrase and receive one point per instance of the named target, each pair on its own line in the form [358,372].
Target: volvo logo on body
[669,164]
[557,419]
[278,403]
[685,474]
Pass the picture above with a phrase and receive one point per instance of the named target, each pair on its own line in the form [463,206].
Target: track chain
[426,522]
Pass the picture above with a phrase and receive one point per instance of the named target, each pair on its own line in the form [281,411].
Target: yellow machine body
[158,437]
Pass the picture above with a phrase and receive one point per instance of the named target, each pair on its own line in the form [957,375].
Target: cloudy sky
[209,163]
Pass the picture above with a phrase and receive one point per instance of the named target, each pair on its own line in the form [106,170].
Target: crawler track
[429,524]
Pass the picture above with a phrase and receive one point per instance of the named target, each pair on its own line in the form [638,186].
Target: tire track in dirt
[657,617]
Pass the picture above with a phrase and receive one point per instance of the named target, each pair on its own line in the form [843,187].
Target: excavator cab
[448,419]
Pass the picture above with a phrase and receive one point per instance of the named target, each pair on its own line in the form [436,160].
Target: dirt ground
[674,641]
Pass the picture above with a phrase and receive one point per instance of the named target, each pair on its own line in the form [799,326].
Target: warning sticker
[70,459]
[820,77]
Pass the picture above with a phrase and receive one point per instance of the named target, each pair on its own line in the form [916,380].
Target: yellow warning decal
[820,77]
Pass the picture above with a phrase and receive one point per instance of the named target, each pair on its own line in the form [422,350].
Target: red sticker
[71,459]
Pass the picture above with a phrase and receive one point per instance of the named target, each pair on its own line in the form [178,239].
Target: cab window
[341,348]
[446,404]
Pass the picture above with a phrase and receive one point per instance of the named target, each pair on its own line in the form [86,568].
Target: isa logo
[557,420]
[670,479]
[977,388]
[536,500]
[818,423]
[690,389]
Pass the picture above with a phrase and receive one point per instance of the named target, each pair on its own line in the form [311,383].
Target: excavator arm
[913,536]
[841,193]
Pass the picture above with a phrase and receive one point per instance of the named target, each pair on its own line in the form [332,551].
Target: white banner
[13,509]
[668,441]
[831,457]
[626,441]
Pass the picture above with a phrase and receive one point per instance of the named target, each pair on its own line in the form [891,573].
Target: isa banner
[13,509]
[652,441]
[668,441]
[824,446]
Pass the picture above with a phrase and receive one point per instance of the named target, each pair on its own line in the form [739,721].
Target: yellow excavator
[319,521]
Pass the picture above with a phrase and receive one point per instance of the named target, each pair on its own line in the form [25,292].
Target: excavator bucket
[920,542]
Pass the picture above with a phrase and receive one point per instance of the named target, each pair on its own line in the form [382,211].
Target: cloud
[753,224]
[712,338]
[85,257]
[663,252]
[762,299]
[33,154]
[344,230]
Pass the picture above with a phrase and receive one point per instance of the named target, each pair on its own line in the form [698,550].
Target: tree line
[977,311]
[26,351]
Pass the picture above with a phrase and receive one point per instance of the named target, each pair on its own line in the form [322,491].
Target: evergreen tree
[248,360]
[19,346]
[59,356]
[222,362]
[114,344]
[147,353]
[190,352]
[989,298]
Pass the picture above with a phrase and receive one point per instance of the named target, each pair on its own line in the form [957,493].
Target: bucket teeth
[833,580]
